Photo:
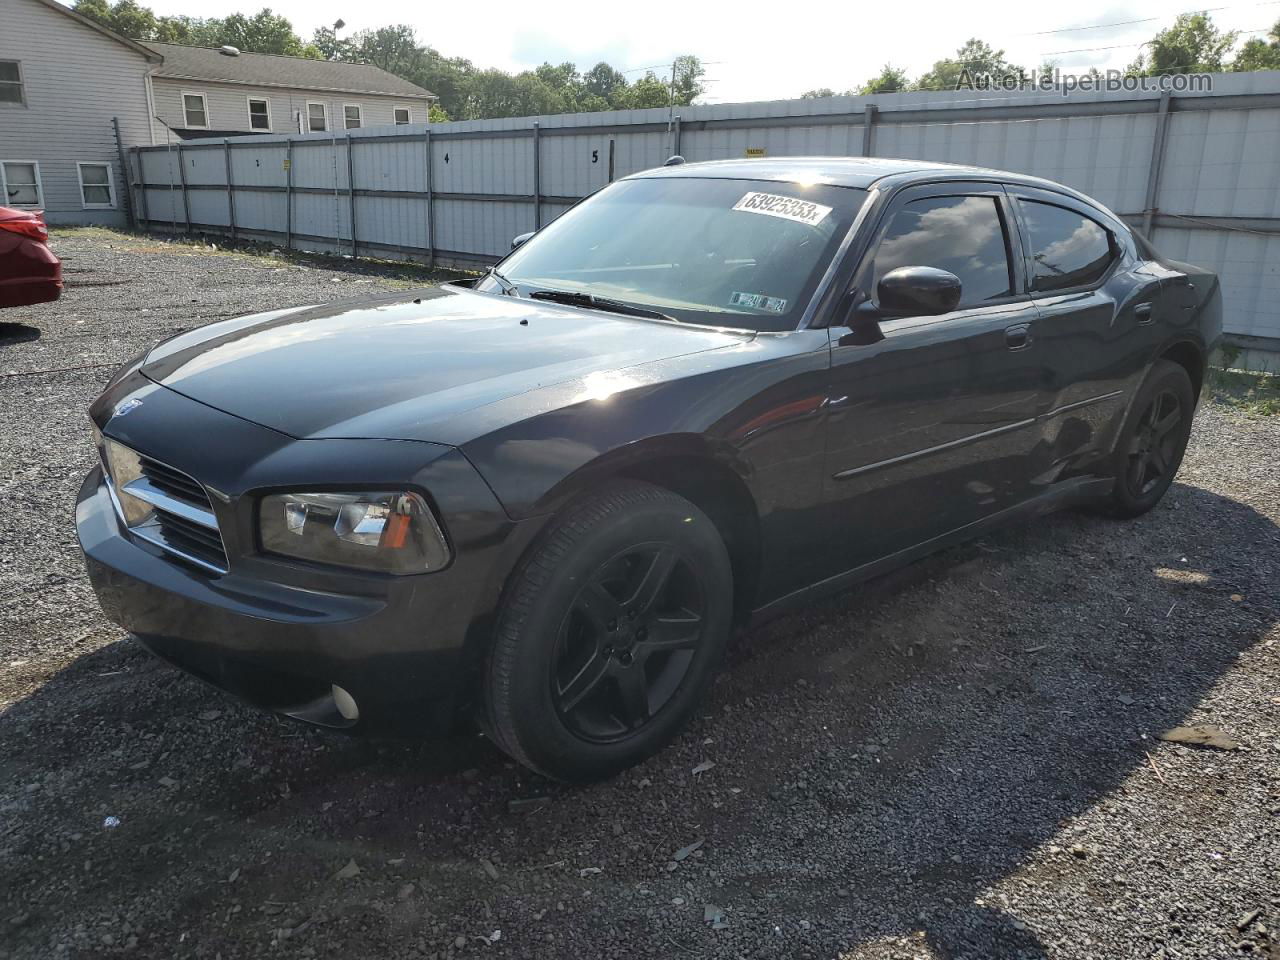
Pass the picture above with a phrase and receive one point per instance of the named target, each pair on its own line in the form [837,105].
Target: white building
[199,92]
[64,83]
[67,83]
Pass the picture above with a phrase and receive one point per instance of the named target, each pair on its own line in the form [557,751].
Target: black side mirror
[918,292]
[521,239]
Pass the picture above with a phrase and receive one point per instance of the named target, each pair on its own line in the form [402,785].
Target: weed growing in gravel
[1256,394]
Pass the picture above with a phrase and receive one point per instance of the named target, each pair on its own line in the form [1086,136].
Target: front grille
[192,540]
[164,506]
[174,482]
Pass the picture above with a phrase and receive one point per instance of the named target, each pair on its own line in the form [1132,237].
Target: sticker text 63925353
[788,208]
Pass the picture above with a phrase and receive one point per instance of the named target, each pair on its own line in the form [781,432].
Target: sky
[755,50]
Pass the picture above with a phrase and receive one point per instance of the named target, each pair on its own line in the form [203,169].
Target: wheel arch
[690,466]
[1191,357]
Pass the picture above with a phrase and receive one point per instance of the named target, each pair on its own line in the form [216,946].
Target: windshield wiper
[509,289]
[576,298]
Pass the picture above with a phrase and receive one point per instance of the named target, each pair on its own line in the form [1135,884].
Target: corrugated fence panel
[260,210]
[493,165]
[480,226]
[1248,266]
[575,166]
[1223,164]
[479,180]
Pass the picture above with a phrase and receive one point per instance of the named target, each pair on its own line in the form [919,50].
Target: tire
[593,668]
[1147,455]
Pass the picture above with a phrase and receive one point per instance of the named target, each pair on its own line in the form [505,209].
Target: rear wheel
[610,634]
[1153,441]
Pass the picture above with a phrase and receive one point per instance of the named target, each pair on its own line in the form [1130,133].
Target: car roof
[845,172]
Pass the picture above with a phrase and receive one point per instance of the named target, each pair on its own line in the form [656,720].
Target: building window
[317,117]
[20,180]
[402,116]
[97,191]
[351,115]
[11,82]
[259,113]
[195,112]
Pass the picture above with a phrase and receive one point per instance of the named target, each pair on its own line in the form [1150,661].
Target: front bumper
[279,635]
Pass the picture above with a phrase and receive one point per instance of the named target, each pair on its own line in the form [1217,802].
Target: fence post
[126,174]
[868,129]
[231,190]
[675,137]
[431,204]
[537,176]
[1157,161]
[351,194]
[288,194]
[186,202]
[611,159]
[143,218]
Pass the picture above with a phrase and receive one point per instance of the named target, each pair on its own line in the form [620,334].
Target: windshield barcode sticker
[758,301]
[788,208]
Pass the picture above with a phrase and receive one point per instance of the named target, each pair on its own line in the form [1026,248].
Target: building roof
[269,70]
[94,25]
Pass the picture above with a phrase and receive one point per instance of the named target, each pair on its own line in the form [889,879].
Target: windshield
[734,253]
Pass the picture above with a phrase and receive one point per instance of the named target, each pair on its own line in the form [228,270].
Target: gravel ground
[959,760]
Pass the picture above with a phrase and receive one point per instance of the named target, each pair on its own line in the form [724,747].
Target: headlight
[393,532]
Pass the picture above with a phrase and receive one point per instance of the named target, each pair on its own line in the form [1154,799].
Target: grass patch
[1256,394]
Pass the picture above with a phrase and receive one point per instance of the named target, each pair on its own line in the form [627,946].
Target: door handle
[1142,312]
[1018,336]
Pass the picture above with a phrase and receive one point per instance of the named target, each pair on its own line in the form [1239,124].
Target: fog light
[345,703]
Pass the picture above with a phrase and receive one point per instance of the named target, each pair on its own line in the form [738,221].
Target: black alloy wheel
[609,633]
[1153,440]
[627,642]
[1153,451]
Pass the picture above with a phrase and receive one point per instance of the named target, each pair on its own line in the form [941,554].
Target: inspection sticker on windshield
[788,208]
[757,301]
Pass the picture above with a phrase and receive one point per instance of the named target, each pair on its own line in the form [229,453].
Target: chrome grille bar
[148,492]
[163,506]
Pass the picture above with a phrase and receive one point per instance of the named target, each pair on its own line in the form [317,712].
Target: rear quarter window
[1068,249]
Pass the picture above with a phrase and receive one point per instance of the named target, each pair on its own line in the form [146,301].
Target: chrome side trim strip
[144,490]
[892,461]
[1082,403]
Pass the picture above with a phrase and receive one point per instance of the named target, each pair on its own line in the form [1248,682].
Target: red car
[29,272]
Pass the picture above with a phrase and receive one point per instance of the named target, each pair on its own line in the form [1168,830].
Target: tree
[394,49]
[264,32]
[1192,45]
[688,86]
[1259,53]
[331,46]
[648,91]
[975,59]
[817,94]
[603,81]
[125,17]
[889,80]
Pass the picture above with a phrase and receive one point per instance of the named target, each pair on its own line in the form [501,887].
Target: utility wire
[1126,23]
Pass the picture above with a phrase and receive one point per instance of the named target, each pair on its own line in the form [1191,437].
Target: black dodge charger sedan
[710,392]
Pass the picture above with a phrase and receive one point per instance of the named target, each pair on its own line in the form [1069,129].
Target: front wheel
[1150,448]
[609,635]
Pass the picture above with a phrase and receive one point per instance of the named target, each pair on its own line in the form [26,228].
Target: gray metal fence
[1200,171]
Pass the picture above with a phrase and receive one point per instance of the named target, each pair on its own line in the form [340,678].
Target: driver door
[931,418]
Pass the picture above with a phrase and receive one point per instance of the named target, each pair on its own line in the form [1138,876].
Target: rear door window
[1068,249]
[962,235]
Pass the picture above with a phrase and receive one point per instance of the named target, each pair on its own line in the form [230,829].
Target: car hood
[390,367]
